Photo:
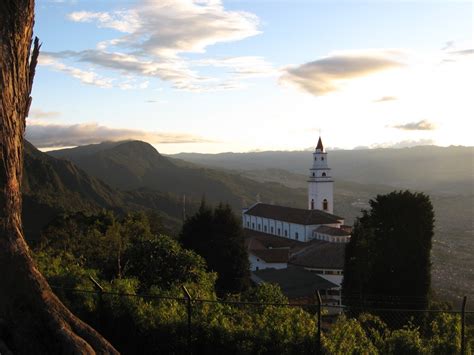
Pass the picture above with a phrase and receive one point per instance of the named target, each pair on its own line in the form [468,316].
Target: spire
[320,145]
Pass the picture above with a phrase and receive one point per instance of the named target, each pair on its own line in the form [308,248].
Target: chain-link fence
[158,323]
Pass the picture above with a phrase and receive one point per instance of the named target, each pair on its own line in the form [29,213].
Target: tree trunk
[32,319]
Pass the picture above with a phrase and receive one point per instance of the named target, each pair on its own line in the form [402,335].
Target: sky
[215,76]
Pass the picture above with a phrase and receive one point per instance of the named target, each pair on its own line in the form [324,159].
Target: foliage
[143,310]
[389,252]
[217,236]
[348,337]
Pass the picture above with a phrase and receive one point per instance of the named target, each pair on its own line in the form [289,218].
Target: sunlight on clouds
[156,33]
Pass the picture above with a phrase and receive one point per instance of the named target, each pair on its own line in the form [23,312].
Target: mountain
[429,168]
[134,164]
[53,186]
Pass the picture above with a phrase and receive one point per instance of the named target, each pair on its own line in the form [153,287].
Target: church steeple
[320,183]
[320,145]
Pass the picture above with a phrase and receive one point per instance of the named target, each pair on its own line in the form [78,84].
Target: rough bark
[32,319]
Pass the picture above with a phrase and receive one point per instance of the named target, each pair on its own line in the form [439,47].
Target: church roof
[294,281]
[320,144]
[337,232]
[292,215]
[321,254]
[271,255]
[259,240]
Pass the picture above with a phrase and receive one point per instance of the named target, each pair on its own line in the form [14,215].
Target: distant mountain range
[427,168]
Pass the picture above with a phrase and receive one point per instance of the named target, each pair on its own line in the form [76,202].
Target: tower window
[312,204]
[325,205]
[322,158]
[296,235]
[315,158]
[313,174]
[324,174]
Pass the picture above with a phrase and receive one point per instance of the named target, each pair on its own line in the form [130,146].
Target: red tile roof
[337,232]
[321,254]
[272,255]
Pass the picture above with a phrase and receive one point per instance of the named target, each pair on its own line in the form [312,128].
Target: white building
[311,239]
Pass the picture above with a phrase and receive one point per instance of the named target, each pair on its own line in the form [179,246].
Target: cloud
[386,98]
[58,135]
[86,77]
[326,75]
[169,27]
[422,125]
[38,113]
[397,145]
[154,37]
[462,52]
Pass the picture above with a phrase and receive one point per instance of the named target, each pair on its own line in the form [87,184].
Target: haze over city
[215,76]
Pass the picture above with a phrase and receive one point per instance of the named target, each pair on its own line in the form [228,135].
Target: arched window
[322,158]
[324,174]
[312,204]
[313,174]
[325,205]
[315,158]
[296,235]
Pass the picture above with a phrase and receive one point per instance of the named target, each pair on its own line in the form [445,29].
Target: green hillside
[52,186]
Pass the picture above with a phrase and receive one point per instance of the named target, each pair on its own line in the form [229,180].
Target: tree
[388,257]
[217,236]
[35,319]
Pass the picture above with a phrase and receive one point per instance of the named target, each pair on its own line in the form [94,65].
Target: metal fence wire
[187,325]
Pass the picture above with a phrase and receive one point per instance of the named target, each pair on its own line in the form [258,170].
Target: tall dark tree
[33,320]
[388,258]
[217,236]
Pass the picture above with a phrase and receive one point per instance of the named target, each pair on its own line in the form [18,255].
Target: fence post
[189,299]
[100,291]
[319,345]
[463,325]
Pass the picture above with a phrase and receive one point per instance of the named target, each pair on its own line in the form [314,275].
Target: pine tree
[388,258]
[217,236]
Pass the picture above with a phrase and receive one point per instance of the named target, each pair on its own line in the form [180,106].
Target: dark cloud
[386,98]
[422,125]
[324,75]
[57,135]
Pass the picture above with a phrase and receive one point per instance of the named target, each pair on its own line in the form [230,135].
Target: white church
[300,249]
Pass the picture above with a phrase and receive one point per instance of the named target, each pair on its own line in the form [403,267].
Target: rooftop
[337,232]
[255,240]
[294,281]
[321,254]
[271,255]
[292,215]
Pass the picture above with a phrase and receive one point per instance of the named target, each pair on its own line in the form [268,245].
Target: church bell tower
[320,182]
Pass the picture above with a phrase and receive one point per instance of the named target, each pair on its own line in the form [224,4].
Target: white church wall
[259,264]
